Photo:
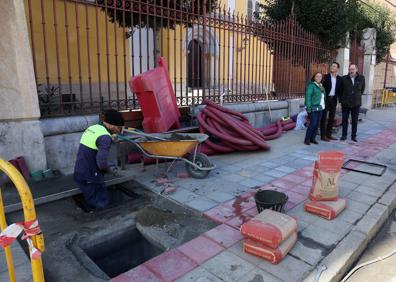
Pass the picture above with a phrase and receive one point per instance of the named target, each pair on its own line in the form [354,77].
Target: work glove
[114,171]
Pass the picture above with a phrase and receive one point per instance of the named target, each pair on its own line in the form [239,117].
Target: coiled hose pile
[231,131]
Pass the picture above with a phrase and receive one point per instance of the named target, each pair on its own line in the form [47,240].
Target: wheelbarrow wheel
[201,160]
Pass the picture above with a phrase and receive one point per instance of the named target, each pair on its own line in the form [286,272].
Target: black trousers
[345,118]
[327,121]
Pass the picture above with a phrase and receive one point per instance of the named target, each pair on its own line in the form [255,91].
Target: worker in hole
[92,159]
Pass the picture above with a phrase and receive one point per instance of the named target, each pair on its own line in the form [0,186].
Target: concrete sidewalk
[226,197]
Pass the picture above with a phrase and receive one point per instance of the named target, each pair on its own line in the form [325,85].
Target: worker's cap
[114,117]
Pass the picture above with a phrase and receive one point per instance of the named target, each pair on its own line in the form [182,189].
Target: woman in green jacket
[314,104]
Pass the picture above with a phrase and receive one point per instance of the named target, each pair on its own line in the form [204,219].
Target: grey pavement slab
[263,179]
[349,215]
[23,270]
[228,266]
[371,191]
[220,197]
[341,258]
[307,252]
[362,198]
[251,183]
[336,225]
[201,204]
[199,274]
[259,275]
[237,249]
[357,207]
[289,269]
[373,220]
[321,236]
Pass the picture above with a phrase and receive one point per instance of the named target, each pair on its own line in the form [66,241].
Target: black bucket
[270,199]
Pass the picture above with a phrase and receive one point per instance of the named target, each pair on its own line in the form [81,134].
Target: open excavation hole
[121,251]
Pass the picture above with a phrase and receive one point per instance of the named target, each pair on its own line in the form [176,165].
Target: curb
[339,261]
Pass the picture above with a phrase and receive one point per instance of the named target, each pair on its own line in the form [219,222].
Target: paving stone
[263,179]
[283,183]
[358,207]
[349,215]
[356,177]
[301,189]
[306,253]
[182,195]
[231,168]
[289,269]
[237,221]
[200,249]
[300,214]
[369,191]
[270,164]
[201,204]
[220,214]
[373,220]
[259,275]
[139,274]
[219,196]
[341,258]
[228,266]
[23,273]
[199,274]
[18,255]
[301,225]
[316,233]
[171,265]
[389,199]
[234,177]
[362,198]
[286,169]
[275,173]
[237,249]
[336,225]
[224,235]
[295,197]
[295,178]
[251,183]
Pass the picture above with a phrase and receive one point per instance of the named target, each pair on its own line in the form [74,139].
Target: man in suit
[332,84]
[351,100]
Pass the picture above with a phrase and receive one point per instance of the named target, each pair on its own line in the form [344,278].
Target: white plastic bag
[301,120]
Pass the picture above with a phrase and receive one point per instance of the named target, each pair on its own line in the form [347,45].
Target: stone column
[20,133]
[368,41]
[343,55]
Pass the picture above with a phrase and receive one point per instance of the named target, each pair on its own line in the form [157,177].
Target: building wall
[74,63]
[380,68]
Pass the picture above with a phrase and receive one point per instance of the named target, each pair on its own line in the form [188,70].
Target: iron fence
[85,51]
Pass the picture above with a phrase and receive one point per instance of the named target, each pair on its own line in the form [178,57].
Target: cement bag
[274,256]
[328,210]
[270,228]
[326,176]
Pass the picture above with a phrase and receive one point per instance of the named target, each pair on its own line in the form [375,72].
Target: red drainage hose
[232,130]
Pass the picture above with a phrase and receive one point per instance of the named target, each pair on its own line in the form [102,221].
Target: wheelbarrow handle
[138,132]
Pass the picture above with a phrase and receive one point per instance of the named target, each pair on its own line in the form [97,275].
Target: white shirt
[333,85]
[353,79]
[322,100]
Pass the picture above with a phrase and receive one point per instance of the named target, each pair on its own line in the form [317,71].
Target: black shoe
[331,138]
[325,139]
[354,139]
[343,138]
[314,142]
[307,143]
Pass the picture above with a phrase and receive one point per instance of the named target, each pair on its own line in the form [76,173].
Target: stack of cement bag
[270,235]
[324,191]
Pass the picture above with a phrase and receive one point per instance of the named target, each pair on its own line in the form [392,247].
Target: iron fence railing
[85,51]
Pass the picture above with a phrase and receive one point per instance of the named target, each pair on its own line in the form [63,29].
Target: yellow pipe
[29,213]
[8,253]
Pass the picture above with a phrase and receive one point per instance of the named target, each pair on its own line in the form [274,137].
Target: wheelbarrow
[174,147]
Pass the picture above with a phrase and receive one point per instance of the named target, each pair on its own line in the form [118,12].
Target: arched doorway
[195,64]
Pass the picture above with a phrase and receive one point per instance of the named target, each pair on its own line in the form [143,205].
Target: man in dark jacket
[333,86]
[351,100]
[91,163]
